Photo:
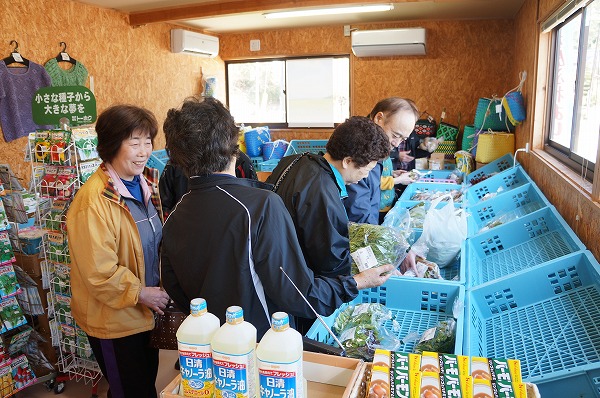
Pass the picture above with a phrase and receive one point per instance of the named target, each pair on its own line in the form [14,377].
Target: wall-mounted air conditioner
[185,41]
[388,42]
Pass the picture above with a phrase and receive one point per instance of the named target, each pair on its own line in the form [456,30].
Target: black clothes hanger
[63,56]
[15,56]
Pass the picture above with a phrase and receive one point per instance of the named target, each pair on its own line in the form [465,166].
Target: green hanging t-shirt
[75,76]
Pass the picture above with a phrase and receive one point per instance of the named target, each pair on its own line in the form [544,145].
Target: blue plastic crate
[499,183]
[417,187]
[158,160]
[527,242]
[508,206]
[496,166]
[256,160]
[438,176]
[267,165]
[417,305]
[547,317]
[316,147]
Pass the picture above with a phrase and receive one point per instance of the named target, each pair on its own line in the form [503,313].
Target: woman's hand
[402,177]
[410,263]
[154,298]
[373,277]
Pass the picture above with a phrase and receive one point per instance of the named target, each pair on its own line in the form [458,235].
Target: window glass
[575,105]
[307,92]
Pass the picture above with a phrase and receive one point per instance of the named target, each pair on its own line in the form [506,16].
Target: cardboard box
[436,161]
[30,263]
[328,376]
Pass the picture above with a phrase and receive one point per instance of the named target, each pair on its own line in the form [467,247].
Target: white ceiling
[228,19]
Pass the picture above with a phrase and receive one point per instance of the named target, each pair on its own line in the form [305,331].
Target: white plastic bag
[444,230]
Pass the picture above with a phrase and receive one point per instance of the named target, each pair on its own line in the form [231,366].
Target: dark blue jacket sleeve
[362,203]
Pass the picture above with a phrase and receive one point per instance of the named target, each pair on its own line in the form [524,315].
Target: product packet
[59,142]
[502,381]
[480,368]
[5,359]
[86,169]
[6,380]
[22,373]
[61,283]
[58,248]
[455,379]
[19,340]
[427,385]
[379,386]
[7,256]
[62,309]
[68,338]
[8,281]
[4,225]
[11,313]
[84,349]
[42,146]
[86,142]
[404,373]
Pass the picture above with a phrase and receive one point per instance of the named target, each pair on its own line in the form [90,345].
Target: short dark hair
[360,139]
[201,136]
[392,105]
[117,123]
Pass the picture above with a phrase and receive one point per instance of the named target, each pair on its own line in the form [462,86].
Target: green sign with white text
[76,103]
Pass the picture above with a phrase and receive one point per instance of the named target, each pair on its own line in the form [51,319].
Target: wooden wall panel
[465,60]
[128,65]
[568,199]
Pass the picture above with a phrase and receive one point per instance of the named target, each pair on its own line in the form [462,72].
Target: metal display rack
[56,175]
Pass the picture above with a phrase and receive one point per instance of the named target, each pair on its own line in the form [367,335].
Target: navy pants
[129,364]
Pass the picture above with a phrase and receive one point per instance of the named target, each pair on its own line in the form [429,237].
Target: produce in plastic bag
[425,269]
[375,245]
[442,337]
[444,230]
[361,331]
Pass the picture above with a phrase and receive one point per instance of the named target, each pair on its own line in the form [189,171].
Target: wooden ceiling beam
[211,9]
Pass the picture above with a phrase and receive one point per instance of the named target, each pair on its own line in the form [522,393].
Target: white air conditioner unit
[185,41]
[386,42]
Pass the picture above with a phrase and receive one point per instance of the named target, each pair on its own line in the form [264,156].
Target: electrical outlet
[346,30]
[527,147]
[254,45]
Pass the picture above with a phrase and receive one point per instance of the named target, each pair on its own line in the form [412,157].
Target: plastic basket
[509,205]
[425,187]
[256,160]
[316,147]
[437,176]
[496,166]
[158,160]
[524,243]
[547,317]
[268,165]
[500,183]
[430,302]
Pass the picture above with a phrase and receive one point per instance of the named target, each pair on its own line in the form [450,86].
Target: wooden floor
[73,389]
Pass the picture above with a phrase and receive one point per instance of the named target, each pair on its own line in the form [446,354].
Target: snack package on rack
[375,245]
[361,330]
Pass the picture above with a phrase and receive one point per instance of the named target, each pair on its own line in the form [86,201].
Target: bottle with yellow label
[234,357]
[279,358]
[195,358]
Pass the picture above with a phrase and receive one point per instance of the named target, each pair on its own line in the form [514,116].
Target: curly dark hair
[392,105]
[360,139]
[201,136]
[117,123]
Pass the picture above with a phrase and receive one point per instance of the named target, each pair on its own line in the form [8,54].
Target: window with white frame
[574,107]
[291,92]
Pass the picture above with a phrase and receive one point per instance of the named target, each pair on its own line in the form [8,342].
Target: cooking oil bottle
[279,358]
[195,358]
[234,357]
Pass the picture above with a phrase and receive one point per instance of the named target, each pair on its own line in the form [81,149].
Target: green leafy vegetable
[387,244]
[440,338]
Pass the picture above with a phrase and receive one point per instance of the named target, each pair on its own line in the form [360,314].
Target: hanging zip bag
[444,230]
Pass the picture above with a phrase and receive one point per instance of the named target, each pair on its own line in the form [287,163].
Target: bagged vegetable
[360,330]
[442,337]
[375,245]
[444,230]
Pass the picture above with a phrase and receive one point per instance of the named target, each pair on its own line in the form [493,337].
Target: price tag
[364,258]
[499,108]
[65,56]
[17,57]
